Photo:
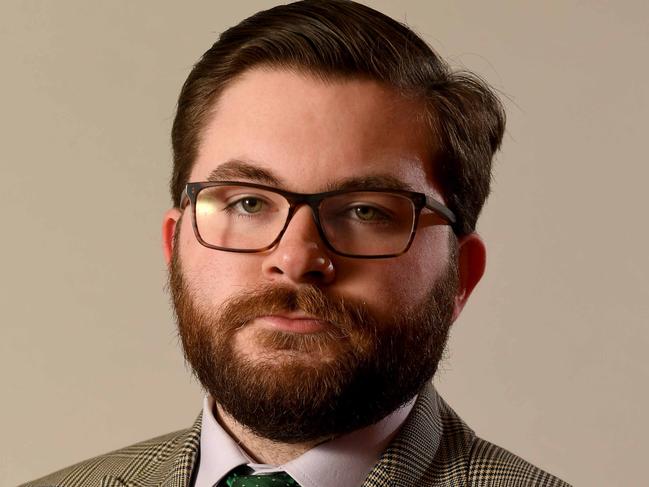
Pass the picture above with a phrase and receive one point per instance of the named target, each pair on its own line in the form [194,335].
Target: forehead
[308,133]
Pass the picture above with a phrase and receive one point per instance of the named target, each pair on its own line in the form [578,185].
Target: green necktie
[243,477]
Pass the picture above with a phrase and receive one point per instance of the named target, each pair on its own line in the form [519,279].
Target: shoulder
[492,465]
[435,448]
[484,463]
[156,457]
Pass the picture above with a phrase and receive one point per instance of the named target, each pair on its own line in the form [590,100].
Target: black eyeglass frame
[313,200]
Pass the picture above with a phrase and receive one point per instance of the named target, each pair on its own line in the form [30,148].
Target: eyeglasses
[366,223]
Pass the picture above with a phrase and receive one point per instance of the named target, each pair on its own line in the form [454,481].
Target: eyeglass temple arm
[184,199]
[442,210]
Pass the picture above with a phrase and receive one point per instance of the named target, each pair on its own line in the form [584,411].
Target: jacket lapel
[430,450]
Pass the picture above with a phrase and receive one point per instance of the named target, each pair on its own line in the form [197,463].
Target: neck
[262,450]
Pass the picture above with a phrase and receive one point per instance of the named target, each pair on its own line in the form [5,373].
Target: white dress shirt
[342,462]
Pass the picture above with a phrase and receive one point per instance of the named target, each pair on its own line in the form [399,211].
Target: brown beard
[377,366]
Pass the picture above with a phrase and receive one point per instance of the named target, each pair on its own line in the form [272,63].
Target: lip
[294,323]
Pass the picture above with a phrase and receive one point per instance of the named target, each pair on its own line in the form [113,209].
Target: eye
[367,213]
[250,204]
[370,213]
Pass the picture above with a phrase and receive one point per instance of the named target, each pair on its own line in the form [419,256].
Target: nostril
[276,270]
[314,276]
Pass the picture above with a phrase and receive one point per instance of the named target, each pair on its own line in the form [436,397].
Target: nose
[300,257]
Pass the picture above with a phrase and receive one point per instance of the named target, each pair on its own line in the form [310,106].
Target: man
[329,170]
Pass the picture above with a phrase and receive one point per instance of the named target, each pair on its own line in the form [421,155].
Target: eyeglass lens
[356,223]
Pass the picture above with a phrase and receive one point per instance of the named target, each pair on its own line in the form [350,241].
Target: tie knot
[242,477]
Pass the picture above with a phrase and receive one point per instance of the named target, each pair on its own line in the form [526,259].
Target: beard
[289,392]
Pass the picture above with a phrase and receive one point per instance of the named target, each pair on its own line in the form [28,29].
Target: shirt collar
[346,460]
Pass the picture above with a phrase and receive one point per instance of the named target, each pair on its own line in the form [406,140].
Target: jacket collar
[412,451]
[432,448]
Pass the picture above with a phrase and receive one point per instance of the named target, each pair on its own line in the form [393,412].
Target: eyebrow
[236,169]
[374,181]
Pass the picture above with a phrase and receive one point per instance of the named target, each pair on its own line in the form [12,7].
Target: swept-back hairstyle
[339,39]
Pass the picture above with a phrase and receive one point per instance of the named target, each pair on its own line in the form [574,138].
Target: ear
[472,259]
[169,222]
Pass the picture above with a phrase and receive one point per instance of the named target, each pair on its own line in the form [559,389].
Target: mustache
[344,314]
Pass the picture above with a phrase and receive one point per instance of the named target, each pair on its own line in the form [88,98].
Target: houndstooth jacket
[433,449]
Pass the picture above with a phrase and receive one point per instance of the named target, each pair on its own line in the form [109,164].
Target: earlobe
[472,260]
[169,222]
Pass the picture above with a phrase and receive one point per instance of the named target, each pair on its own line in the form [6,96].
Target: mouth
[293,323]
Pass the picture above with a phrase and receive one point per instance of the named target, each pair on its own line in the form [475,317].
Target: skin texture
[310,135]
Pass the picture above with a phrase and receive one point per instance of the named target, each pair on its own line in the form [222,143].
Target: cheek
[211,275]
[389,285]
[384,286]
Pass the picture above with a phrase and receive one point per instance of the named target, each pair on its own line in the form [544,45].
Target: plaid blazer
[433,449]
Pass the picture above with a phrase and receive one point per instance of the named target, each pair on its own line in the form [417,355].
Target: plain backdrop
[549,358]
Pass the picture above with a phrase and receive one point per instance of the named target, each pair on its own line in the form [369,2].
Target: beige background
[549,359]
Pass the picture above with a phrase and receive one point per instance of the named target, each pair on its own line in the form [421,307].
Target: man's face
[297,342]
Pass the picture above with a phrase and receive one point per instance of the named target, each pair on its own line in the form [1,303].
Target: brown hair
[343,39]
